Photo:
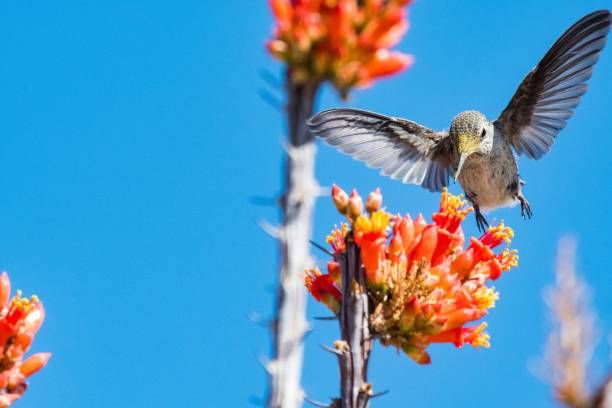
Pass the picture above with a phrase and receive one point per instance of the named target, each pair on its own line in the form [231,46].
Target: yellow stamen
[362,224]
[478,337]
[485,297]
[311,275]
[24,304]
[454,205]
[377,222]
[337,234]
[380,221]
[508,259]
[501,232]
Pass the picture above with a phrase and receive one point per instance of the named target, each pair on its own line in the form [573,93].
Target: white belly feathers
[486,179]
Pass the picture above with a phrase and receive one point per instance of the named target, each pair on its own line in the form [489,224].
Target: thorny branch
[356,344]
[297,204]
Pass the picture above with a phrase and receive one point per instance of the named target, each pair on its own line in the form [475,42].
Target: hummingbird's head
[469,131]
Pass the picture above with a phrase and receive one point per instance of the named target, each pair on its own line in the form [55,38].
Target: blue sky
[133,140]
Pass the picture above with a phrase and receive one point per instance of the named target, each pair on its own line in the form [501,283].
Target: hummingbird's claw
[525,207]
[481,221]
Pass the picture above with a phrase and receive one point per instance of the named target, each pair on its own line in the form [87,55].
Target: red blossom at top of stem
[426,287]
[344,41]
[20,319]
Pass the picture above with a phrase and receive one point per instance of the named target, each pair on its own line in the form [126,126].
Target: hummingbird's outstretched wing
[546,98]
[400,148]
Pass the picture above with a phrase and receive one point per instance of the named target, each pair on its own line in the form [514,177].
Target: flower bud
[442,247]
[405,227]
[282,9]
[34,363]
[386,63]
[340,198]
[374,201]
[419,224]
[425,250]
[396,247]
[463,263]
[355,205]
[418,355]
[277,48]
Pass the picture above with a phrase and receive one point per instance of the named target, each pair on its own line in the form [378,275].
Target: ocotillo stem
[356,344]
[297,205]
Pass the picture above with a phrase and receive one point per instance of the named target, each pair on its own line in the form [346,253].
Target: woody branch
[356,344]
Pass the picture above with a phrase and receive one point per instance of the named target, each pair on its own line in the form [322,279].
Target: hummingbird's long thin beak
[460,166]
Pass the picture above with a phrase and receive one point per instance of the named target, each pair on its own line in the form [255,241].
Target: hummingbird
[475,151]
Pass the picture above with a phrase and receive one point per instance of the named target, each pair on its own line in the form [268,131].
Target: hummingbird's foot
[481,222]
[525,207]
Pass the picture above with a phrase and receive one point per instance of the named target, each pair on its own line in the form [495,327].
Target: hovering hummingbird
[476,151]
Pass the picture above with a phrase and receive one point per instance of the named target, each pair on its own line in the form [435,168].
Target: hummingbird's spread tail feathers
[546,98]
[400,148]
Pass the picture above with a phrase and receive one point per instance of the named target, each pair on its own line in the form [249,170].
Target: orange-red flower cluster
[20,319]
[344,41]
[426,286]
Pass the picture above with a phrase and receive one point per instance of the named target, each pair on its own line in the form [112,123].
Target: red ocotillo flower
[20,319]
[427,288]
[323,289]
[344,41]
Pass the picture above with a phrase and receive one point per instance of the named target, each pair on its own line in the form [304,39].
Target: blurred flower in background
[20,319]
[425,287]
[344,41]
[571,342]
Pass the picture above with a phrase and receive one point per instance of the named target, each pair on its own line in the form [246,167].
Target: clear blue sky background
[132,139]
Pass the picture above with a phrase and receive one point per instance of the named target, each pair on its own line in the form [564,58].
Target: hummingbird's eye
[484,132]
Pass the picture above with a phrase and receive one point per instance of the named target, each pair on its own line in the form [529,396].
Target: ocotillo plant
[20,319]
[406,283]
[570,344]
[345,43]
